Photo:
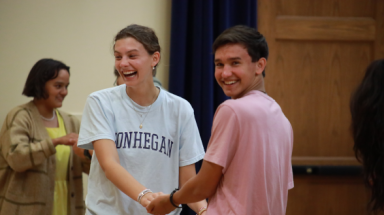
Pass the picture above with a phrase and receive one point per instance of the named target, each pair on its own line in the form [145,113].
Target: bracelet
[201,210]
[171,198]
[142,194]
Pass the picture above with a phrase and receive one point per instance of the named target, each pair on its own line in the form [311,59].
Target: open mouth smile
[129,74]
[229,82]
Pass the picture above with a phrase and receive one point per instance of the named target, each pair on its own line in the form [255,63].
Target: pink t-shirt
[252,140]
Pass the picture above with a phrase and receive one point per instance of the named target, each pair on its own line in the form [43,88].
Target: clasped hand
[160,205]
[148,197]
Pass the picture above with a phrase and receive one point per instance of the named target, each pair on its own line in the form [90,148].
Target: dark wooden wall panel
[319,51]
[312,82]
[330,8]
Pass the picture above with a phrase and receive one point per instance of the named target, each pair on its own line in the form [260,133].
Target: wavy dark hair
[367,110]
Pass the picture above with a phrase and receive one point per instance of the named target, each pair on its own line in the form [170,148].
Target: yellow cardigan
[28,165]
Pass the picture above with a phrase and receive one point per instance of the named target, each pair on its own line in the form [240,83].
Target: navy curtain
[195,25]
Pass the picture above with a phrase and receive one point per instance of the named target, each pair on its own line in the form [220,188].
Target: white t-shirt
[168,140]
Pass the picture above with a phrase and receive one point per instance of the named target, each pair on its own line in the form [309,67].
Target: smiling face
[133,62]
[57,89]
[235,72]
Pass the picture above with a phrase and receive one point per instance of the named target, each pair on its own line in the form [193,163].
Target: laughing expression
[234,70]
[133,62]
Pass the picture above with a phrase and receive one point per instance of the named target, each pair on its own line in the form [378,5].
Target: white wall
[79,33]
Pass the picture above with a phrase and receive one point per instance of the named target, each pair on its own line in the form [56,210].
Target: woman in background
[367,110]
[40,172]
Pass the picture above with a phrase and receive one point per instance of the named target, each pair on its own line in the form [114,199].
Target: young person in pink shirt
[247,167]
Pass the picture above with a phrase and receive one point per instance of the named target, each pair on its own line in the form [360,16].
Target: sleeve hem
[87,142]
[213,161]
[192,160]
[290,185]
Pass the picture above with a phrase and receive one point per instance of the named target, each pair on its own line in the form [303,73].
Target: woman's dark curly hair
[43,71]
[367,110]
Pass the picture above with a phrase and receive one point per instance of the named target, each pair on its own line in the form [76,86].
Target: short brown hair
[253,41]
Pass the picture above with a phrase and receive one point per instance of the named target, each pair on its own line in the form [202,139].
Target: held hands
[148,197]
[160,205]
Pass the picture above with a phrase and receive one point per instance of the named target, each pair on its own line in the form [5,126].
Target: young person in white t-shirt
[247,168]
[146,140]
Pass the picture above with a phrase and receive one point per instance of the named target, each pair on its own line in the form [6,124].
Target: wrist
[171,199]
[175,198]
[56,142]
[142,194]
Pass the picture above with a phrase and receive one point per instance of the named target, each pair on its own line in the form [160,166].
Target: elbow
[20,158]
[107,174]
[19,163]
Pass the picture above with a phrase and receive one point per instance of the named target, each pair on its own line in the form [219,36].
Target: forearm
[23,156]
[56,142]
[123,180]
[21,146]
[187,173]
[192,191]
[200,186]
[108,158]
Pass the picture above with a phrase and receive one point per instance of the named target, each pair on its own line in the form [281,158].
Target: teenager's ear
[260,65]
[155,58]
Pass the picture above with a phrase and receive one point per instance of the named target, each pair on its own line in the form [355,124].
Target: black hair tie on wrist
[171,198]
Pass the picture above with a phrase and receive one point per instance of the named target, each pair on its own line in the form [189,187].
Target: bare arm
[69,140]
[109,161]
[186,173]
[202,186]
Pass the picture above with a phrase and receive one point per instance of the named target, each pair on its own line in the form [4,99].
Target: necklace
[139,115]
[50,119]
